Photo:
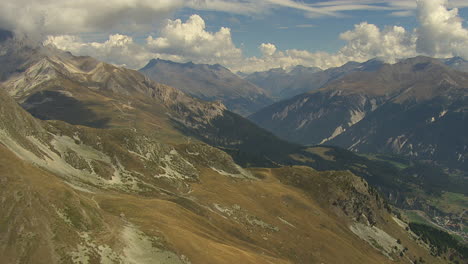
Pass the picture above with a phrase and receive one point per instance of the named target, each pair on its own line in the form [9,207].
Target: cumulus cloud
[38,18]
[191,40]
[290,58]
[42,17]
[118,49]
[267,49]
[366,41]
[440,34]
[177,41]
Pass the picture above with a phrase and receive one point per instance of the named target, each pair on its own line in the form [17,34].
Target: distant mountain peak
[419,59]
[303,69]
[209,82]
[153,62]
[381,110]
[457,63]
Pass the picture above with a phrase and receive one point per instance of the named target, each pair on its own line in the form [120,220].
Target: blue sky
[291,29]
[245,35]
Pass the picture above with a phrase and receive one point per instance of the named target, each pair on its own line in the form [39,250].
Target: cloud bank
[88,16]
[43,17]
[177,41]
[54,17]
[440,33]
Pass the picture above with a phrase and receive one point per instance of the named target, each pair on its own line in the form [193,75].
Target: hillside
[76,194]
[82,91]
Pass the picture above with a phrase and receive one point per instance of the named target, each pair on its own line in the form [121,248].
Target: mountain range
[209,83]
[284,84]
[100,164]
[416,108]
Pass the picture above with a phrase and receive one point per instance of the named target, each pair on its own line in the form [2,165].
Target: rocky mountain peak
[419,78]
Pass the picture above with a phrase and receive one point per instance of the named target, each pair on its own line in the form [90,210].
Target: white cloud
[230,6]
[305,26]
[458,3]
[38,18]
[325,8]
[440,34]
[41,17]
[290,58]
[118,49]
[367,41]
[178,41]
[191,41]
[312,10]
[267,49]
[405,13]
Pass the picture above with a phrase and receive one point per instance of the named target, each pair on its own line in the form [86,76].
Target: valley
[101,164]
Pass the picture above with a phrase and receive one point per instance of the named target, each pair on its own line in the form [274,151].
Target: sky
[244,35]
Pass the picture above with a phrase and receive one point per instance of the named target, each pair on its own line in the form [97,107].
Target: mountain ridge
[331,112]
[302,79]
[145,175]
[210,83]
[124,195]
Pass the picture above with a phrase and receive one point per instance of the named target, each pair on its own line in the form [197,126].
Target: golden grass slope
[221,220]
[140,192]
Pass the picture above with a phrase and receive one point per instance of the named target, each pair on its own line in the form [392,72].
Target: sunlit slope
[75,194]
